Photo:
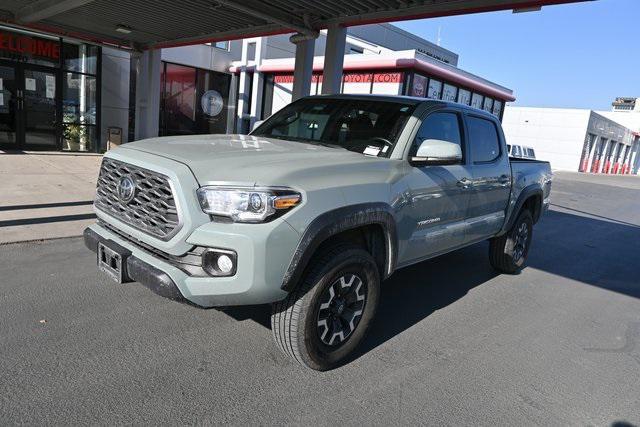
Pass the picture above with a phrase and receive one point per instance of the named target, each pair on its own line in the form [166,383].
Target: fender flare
[336,221]
[525,194]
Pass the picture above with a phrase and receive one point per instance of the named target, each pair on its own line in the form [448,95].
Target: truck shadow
[596,251]
[414,293]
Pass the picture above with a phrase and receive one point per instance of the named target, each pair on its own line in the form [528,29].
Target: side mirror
[256,124]
[437,152]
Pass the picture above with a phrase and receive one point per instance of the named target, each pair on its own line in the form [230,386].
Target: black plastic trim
[153,278]
[339,220]
[526,193]
[137,270]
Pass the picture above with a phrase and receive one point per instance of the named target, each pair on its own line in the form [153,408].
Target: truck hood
[250,160]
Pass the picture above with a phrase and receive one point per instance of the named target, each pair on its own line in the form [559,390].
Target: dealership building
[61,93]
[577,139]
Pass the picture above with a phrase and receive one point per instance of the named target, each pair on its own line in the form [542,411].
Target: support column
[257,85]
[593,154]
[634,158]
[232,103]
[333,59]
[147,115]
[303,70]
[250,85]
[244,98]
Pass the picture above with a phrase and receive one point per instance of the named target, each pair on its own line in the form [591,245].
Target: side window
[516,151]
[441,126]
[483,139]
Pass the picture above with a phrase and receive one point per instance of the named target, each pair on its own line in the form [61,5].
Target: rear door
[437,195]
[491,183]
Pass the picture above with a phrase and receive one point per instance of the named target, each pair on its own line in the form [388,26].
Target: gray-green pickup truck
[313,210]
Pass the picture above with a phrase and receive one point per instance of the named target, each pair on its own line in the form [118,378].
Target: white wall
[557,135]
[115,92]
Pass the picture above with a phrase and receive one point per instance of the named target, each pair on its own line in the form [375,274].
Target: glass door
[28,106]
[8,107]
[39,108]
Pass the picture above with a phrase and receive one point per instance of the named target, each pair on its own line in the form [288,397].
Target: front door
[28,119]
[437,195]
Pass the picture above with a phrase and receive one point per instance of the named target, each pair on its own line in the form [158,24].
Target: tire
[508,253]
[339,283]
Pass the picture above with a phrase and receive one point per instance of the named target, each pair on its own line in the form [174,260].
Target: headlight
[246,204]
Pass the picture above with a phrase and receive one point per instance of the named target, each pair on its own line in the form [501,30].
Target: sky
[580,55]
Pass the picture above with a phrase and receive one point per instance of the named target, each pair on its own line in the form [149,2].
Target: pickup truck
[312,210]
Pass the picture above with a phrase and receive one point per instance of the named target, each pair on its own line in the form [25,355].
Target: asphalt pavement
[454,343]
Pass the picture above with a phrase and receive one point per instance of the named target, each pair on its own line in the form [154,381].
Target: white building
[574,139]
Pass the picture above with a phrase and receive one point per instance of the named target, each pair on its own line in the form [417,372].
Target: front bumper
[137,270]
[261,265]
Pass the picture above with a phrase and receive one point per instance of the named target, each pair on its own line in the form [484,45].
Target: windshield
[370,127]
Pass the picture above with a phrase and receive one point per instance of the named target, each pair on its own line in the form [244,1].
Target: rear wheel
[324,319]
[508,253]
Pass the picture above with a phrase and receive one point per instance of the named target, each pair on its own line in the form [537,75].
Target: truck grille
[152,207]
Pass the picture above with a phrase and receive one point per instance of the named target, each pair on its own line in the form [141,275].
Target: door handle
[504,180]
[464,183]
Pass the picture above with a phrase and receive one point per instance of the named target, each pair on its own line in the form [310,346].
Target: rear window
[483,138]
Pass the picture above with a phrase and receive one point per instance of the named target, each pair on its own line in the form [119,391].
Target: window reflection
[193,100]
[79,99]
[78,137]
[82,58]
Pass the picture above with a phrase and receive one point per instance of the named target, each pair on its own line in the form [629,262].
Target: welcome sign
[24,47]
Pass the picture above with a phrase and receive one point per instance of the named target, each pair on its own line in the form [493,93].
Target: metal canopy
[142,24]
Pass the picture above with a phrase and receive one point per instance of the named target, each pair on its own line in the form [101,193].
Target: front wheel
[326,317]
[508,252]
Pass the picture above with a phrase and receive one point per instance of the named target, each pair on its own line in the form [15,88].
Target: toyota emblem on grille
[126,189]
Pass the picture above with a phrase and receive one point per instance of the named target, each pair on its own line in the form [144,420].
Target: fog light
[225,264]
[219,262]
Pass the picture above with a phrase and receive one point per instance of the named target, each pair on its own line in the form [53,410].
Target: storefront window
[488,104]
[419,87]
[435,89]
[79,98]
[476,101]
[464,96]
[82,58]
[449,93]
[497,108]
[77,137]
[212,107]
[179,100]
[54,104]
[26,47]
[193,100]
